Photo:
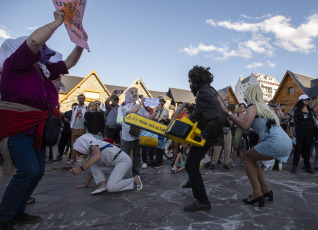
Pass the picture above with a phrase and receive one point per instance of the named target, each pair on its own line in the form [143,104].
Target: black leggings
[304,137]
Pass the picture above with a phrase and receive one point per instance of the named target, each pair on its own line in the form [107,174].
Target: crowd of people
[29,85]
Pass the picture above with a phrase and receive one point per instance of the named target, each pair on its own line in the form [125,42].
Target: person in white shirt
[110,156]
[130,106]
[77,124]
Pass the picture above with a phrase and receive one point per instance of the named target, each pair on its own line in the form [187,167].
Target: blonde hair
[254,95]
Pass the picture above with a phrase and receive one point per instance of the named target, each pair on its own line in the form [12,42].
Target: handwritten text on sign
[151,102]
[74,13]
[145,123]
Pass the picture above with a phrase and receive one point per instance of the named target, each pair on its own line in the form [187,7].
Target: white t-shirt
[125,127]
[84,142]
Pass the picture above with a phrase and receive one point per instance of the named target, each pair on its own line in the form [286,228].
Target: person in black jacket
[304,125]
[94,121]
[211,119]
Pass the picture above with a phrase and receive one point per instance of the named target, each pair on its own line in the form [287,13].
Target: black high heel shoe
[259,199]
[270,195]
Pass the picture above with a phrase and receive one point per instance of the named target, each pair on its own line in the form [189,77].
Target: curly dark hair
[200,75]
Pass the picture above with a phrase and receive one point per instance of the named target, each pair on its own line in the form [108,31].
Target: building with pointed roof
[292,86]
[94,89]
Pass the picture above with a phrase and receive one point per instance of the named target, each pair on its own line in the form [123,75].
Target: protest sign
[74,13]
[151,102]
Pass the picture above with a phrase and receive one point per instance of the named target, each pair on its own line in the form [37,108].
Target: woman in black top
[304,118]
[94,121]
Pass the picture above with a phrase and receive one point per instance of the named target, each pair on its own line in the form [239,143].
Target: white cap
[303,97]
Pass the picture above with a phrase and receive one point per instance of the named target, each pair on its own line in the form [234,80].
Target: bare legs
[255,173]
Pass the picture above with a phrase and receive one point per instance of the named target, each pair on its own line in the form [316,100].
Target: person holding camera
[112,128]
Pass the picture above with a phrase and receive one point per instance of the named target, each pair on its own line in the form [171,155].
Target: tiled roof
[70,82]
[303,81]
[181,95]
[112,88]
[156,94]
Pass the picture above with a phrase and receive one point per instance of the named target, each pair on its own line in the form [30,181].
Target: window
[92,95]
[291,90]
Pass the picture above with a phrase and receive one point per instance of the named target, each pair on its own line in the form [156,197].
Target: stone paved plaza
[160,204]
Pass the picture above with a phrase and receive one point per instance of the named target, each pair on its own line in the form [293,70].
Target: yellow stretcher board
[183,131]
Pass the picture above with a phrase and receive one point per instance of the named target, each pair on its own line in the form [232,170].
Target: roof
[245,80]
[226,88]
[112,88]
[303,81]
[182,95]
[156,94]
[70,82]
[314,88]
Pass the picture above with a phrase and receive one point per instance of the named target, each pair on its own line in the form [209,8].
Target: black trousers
[304,139]
[193,169]
[113,133]
[65,136]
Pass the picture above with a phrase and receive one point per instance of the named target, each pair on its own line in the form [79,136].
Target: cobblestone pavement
[160,204]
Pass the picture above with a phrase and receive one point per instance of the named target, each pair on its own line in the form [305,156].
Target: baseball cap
[303,97]
[161,98]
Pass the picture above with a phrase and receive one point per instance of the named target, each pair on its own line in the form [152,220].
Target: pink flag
[74,13]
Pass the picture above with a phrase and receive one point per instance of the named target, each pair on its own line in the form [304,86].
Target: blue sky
[161,40]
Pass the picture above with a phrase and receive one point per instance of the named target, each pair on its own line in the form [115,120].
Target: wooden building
[292,86]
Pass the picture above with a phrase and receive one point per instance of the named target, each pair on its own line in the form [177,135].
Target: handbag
[148,139]
[120,117]
[52,130]
[134,131]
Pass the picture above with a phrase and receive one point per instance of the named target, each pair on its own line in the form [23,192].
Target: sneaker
[70,161]
[219,162]
[226,167]
[197,206]
[144,165]
[233,165]
[187,185]
[308,170]
[294,170]
[24,218]
[6,225]
[99,190]
[212,167]
[241,164]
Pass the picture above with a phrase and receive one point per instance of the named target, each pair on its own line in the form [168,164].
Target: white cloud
[4,32]
[32,27]
[254,65]
[271,65]
[294,39]
[225,52]
[260,44]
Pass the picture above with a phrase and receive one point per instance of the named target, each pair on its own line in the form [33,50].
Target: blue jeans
[316,157]
[30,165]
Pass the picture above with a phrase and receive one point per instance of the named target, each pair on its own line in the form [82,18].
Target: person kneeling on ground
[111,156]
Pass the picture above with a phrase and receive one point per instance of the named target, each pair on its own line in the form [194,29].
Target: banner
[74,13]
[145,123]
